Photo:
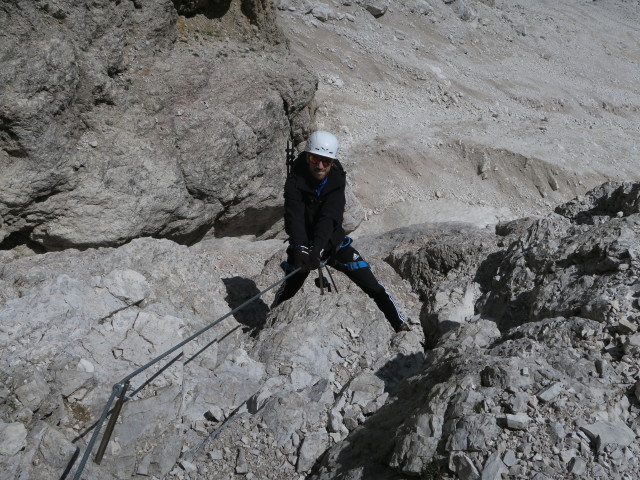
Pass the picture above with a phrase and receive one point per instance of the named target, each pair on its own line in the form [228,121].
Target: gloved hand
[300,257]
[316,256]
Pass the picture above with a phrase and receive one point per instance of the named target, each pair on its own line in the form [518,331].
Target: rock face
[249,18]
[539,383]
[448,265]
[123,121]
[103,116]
[579,262]
[526,383]
[253,380]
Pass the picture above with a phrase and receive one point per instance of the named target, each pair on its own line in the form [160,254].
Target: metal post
[320,280]
[112,422]
[121,387]
[332,280]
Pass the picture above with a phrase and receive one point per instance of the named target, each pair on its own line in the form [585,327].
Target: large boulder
[486,402]
[58,62]
[579,261]
[111,131]
[329,363]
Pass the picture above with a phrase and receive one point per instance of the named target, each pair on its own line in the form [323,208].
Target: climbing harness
[346,242]
[121,388]
[321,281]
[332,281]
[355,265]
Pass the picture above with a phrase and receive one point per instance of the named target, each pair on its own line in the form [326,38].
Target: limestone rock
[241,462]
[607,433]
[421,7]
[566,272]
[463,467]
[471,432]
[377,8]
[12,438]
[312,447]
[127,285]
[271,383]
[324,13]
[366,388]
[493,468]
[605,200]
[577,466]
[551,392]
[518,421]
[66,302]
[463,10]
[55,448]
[468,389]
[442,267]
[104,154]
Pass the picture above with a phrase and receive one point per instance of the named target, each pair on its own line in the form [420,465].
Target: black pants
[348,261]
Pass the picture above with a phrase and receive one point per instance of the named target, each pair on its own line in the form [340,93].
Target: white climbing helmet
[323,143]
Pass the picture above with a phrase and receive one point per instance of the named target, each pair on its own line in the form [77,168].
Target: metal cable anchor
[120,390]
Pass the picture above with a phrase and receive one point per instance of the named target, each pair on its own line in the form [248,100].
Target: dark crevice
[249,10]
[190,238]
[252,221]
[102,101]
[44,198]
[21,238]
[113,72]
[209,8]
[10,141]
[195,193]
[112,314]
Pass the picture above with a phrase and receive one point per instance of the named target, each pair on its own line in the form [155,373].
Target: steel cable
[117,388]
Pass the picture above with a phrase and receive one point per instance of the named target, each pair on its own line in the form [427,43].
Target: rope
[117,388]
[332,280]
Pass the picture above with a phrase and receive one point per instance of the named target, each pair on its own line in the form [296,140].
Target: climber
[314,201]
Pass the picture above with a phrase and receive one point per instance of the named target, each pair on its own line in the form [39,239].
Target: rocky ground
[543,381]
[74,323]
[531,366]
[139,202]
[473,110]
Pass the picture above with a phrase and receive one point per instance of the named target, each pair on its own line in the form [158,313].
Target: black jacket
[311,219]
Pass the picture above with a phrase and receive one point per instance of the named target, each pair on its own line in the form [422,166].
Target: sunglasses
[316,159]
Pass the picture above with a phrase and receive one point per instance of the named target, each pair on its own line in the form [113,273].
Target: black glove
[300,258]
[316,256]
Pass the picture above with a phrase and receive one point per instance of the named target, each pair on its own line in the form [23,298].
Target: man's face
[319,166]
